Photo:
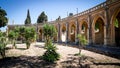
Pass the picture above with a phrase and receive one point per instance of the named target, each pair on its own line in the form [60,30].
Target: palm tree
[49,31]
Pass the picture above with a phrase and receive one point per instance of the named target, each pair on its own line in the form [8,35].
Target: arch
[63,33]
[98,30]
[96,18]
[84,29]
[115,31]
[72,32]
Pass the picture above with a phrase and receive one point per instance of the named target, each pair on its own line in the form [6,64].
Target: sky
[17,9]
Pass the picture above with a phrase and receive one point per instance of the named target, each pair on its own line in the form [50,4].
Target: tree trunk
[79,48]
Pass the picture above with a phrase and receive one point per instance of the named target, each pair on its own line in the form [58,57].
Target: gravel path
[66,52]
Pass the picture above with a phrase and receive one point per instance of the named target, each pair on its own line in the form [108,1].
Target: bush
[29,36]
[12,37]
[82,39]
[51,55]
[2,46]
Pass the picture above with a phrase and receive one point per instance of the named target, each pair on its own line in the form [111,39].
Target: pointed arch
[84,28]
[98,30]
[72,32]
[115,31]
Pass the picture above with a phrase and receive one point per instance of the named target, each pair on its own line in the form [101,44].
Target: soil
[32,58]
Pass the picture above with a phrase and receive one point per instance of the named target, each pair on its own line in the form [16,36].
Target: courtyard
[31,58]
[60,34]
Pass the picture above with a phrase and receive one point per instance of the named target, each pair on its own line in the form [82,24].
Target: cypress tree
[42,18]
[28,19]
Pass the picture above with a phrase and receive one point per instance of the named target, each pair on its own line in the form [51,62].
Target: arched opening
[117,29]
[72,33]
[99,31]
[84,28]
[63,37]
[40,34]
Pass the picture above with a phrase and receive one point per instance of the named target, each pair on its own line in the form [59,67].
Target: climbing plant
[116,23]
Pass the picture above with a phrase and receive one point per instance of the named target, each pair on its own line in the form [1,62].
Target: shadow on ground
[71,62]
[87,62]
[39,46]
[26,62]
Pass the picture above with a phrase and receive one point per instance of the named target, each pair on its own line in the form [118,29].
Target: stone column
[107,30]
[90,40]
[76,32]
[67,32]
[43,37]
[59,33]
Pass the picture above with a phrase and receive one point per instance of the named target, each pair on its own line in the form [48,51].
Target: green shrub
[29,36]
[51,55]
[2,46]
[82,39]
[12,37]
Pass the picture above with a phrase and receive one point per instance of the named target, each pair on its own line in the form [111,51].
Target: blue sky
[17,9]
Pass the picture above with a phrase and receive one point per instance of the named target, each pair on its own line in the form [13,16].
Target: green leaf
[116,23]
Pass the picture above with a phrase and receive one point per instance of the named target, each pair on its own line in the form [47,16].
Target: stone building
[98,24]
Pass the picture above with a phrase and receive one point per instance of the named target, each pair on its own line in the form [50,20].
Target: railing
[104,4]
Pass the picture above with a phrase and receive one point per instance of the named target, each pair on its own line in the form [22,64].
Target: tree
[28,19]
[51,55]
[3,44]
[59,18]
[13,35]
[42,18]
[3,18]
[29,36]
[21,31]
[49,32]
